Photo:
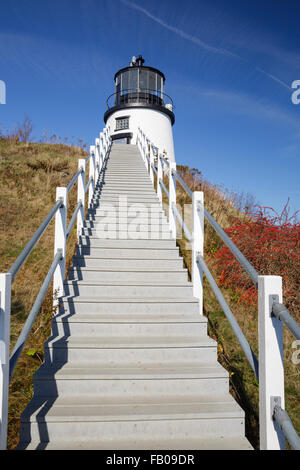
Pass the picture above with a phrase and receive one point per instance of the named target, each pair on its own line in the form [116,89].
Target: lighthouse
[139,100]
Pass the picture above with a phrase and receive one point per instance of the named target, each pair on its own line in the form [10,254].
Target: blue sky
[229,67]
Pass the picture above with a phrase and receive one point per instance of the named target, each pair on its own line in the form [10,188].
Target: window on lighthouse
[122,123]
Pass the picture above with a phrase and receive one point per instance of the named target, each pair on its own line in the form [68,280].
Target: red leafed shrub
[271,243]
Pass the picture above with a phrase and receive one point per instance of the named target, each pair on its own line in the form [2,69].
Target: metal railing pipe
[33,241]
[281,312]
[74,179]
[166,161]
[88,184]
[32,315]
[164,188]
[153,168]
[252,359]
[283,420]
[233,248]
[182,183]
[73,219]
[183,224]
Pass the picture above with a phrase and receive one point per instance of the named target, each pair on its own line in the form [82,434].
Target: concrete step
[125,313]
[85,325]
[122,205]
[180,420]
[170,442]
[129,228]
[126,194]
[172,381]
[123,276]
[128,264]
[127,289]
[126,200]
[121,253]
[130,169]
[137,187]
[139,182]
[136,244]
[92,409]
[134,167]
[129,203]
[130,175]
[126,179]
[113,351]
[154,233]
[116,218]
[120,202]
[132,190]
[161,307]
[129,213]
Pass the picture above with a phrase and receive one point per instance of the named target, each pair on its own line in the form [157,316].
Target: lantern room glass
[139,84]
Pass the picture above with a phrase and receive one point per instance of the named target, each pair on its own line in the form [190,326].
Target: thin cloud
[285,85]
[180,32]
[199,42]
[243,104]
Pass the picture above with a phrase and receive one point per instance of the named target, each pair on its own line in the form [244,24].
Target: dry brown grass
[29,174]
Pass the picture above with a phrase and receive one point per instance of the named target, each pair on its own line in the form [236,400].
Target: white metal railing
[274,423]
[96,159]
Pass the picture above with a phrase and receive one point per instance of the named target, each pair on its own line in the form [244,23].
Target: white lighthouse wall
[155,125]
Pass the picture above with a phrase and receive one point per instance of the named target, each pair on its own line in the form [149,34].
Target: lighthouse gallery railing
[274,422]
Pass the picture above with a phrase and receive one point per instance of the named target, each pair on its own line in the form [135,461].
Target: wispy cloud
[36,54]
[276,79]
[199,42]
[247,105]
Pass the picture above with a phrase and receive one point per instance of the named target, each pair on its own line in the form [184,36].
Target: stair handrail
[97,157]
[226,239]
[271,312]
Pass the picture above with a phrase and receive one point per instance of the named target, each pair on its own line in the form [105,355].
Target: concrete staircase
[129,364]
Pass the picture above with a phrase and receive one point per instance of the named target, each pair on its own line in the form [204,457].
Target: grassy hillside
[29,174]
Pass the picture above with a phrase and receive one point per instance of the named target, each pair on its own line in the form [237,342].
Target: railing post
[138,139]
[97,160]
[172,199]
[145,150]
[159,177]
[143,147]
[151,162]
[140,144]
[104,142]
[5,299]
[81,196]
[92,174]
[101,150]
[60,244]
[106,139]
[197,245]
[271,368]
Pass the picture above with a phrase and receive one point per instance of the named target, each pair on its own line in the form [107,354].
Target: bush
[271,243]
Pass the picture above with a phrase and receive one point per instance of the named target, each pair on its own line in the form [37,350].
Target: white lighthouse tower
[140,100]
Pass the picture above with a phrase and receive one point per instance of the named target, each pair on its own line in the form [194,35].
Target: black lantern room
[139,86]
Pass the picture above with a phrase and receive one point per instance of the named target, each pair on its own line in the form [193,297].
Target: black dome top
[139,63]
